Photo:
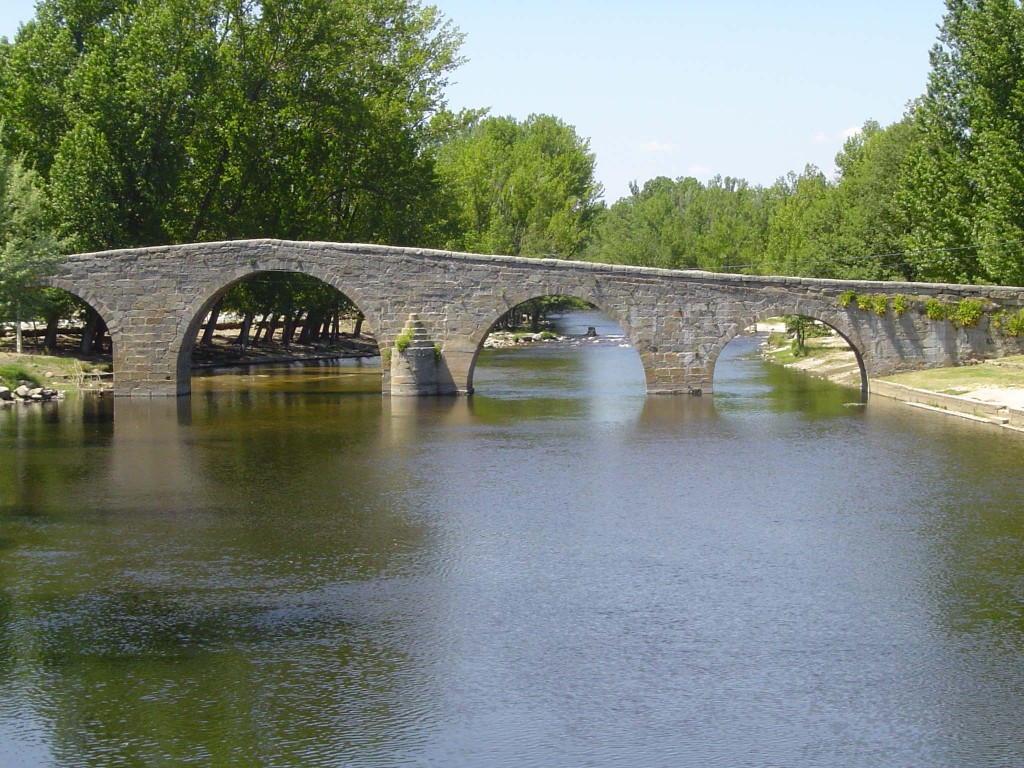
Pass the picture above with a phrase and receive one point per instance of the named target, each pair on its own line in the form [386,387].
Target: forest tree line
[139,122]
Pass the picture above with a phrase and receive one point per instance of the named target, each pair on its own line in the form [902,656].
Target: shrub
[935,309]
[899,304]
[846,298]
[968,312]
[865,302]
[402,342]
[1014,324]
[880,303]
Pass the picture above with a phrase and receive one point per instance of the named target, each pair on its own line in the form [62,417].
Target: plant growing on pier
[1012,324]
[968,313]
[880,303]
[865,302]
[846,298]
[437,354]
[402,342]
[1015,325]
[899,304]
[936,310]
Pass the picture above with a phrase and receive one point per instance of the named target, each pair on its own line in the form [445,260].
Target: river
[288,570]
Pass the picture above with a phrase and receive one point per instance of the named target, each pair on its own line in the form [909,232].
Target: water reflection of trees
[207,562]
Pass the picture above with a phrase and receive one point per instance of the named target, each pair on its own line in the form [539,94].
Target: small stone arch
[201,305]
[109,317]
[511,300]
[85,293]
[837,322]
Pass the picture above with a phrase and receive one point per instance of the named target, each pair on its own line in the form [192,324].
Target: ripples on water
[558,571]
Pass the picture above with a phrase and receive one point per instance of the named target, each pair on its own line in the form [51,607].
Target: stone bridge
[430,311]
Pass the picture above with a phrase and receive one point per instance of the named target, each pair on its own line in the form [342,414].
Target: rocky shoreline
[26,392]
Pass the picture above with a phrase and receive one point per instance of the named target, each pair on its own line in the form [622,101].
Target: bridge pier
[146,359]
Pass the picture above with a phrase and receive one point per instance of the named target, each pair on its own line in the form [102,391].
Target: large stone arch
[837,321]
[201,304]
[510,299]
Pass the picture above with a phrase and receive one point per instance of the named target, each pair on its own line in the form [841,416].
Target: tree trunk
[308,329]
[92,324]
[52,326]
[101,333]
[289,328]
[211,326]
[358,330]
[272,327]
[17,337]
[243,332]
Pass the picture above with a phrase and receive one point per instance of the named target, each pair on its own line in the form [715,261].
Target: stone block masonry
[155,299]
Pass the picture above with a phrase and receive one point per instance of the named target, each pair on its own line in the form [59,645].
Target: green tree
[29,250]
[797,242]
[964,185]
[520,188]
[178,120]
[871,222]
[684,224]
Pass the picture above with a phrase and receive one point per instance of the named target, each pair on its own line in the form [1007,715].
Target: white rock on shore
[26,394]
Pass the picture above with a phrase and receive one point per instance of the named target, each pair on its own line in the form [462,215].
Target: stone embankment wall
[155,299]
[990,413]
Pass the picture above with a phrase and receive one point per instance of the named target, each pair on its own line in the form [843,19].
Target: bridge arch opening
[799,341]
[556,344]
[59,323]
[279,318]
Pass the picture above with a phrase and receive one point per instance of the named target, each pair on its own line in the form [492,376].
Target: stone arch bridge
[431,310]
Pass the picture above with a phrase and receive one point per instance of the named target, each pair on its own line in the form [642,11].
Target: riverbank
[989,392]
[70,372]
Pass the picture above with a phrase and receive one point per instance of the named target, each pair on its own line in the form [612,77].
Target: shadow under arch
[201,308]
[516,303]
[99,322]
[740,326]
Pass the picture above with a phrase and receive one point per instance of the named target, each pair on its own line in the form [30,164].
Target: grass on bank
[1007,373]
[47,370]
[781,350]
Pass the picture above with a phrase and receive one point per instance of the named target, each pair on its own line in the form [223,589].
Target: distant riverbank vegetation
[141,122]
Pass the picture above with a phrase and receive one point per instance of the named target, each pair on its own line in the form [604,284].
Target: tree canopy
[158,121]
[964,182]
[519,188]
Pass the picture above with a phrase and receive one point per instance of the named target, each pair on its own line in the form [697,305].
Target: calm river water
[288,570]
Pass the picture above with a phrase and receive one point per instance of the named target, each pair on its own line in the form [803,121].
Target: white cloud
[659,146]
[699,170]
[826,137]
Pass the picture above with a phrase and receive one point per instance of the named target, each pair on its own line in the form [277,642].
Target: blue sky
[688,88]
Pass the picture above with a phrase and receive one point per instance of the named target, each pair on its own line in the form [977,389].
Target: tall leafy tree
[29,249]
[684,224]
[520,188]
[794,244]
[964,185]
[870,222]
[178,120]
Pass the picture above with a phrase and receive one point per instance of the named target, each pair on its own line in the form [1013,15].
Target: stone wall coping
[274,247]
